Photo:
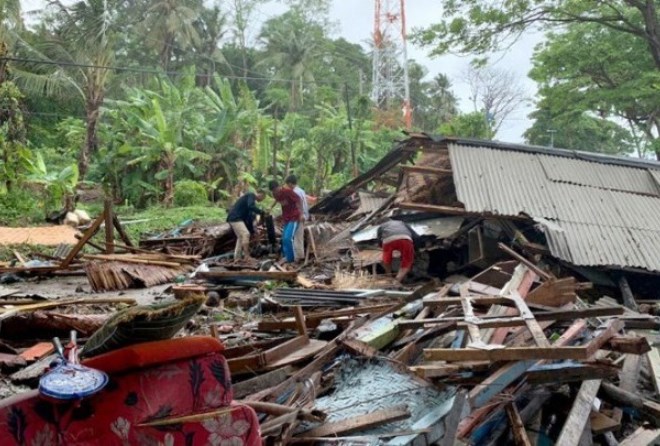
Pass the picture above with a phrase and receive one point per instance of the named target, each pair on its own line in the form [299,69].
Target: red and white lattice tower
[390,59]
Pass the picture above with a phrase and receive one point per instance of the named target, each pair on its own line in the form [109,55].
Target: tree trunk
[91,142]
[169,182]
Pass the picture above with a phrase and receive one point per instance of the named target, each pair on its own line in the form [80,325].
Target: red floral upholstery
[141,406]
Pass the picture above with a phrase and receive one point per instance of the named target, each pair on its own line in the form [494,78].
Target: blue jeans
[287,240]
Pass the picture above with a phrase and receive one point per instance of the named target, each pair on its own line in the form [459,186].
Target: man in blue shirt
[299,236]
[241,219]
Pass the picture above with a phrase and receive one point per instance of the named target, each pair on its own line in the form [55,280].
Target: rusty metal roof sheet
[593,213]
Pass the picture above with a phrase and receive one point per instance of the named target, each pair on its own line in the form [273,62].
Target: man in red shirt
[292,216]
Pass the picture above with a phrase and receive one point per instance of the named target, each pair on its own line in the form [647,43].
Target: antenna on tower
[391,86]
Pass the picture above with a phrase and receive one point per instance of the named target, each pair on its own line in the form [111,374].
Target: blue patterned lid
[72,381]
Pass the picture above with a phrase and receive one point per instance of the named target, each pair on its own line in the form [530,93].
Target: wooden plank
[89,233]
[626,293]
[289,276]
[360,348]
[619,343]
[641,437]
[468,312]
[261,382]
[614,326]
[448,210]
[628,378]
[654,360]
[532,325]
[505,354]
[38,351]
[568,372]
[539,272]
[122,233]
[507,374]
[109,227]
[579,414]
[300,320]
[601,423]
[521,281]
[617,395]
[360,422]
[428,170]
[636,345]
[555,292]
[517,427]
[452,419]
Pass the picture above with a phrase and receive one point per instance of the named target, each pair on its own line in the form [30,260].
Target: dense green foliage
[598,69]
[170,102]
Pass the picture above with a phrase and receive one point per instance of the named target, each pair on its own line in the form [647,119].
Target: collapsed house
[594,214]
[531,318]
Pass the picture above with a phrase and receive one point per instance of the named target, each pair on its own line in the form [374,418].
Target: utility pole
[552,136]
[391,85]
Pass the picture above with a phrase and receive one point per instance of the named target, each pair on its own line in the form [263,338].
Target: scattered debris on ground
[530,316]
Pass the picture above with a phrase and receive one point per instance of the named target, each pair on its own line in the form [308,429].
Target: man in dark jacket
[395,235]
[241,219]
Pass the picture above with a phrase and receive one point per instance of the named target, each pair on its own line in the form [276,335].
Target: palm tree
[170,25]
[211,28]
[84,41]
[292,45]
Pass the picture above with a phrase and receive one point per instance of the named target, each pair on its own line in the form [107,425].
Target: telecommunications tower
[390,59]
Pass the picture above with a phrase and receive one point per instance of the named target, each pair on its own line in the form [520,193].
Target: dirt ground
[78,287]
[42,235]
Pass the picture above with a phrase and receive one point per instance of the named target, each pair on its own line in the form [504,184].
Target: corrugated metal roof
[598,214]
[368,203]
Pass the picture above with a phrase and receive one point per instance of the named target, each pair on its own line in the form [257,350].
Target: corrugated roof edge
[576,154]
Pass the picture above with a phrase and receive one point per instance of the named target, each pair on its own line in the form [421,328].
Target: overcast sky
[354,20]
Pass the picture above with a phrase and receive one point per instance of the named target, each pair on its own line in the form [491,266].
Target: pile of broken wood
[510,355]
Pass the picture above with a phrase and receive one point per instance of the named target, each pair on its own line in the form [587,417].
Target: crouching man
[241,219]
[395,235]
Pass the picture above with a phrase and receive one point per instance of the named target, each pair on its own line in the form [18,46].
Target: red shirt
[289,201]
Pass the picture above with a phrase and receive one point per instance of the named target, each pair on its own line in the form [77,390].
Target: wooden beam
[300,320]
[617,395]
[539,272]
[448,210]
[507,374]
[261,382]
[289,276]
[120,230]
[635,345]
[109,227]
[517,427]
[452,419]
[654,361]
[428,170]
[571,372]
[360,422]
[626,293]
[505,354]
[641,437]
[579,414]
[89,233]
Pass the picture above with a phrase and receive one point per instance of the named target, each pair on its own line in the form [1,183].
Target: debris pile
[529,316]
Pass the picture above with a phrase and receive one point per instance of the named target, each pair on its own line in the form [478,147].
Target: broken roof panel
[600,214]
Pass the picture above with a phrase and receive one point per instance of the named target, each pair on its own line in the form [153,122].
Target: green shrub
[190,193]
[20,207]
